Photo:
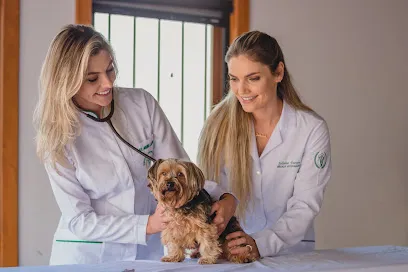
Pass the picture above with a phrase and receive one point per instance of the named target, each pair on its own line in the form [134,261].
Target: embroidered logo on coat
[146,161]
[320,160]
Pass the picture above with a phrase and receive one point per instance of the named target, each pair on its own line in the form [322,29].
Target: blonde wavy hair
[63,72]
[226,136]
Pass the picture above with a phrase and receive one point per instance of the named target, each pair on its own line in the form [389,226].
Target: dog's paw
[242,258]
[172,259]
[207,260]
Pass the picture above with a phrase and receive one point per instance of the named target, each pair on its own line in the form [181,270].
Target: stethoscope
[107,119]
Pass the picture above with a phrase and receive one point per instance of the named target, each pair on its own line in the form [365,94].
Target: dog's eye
[179,174]
[164,174]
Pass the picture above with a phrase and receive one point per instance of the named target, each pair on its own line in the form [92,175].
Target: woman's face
[253,82]
[96,90]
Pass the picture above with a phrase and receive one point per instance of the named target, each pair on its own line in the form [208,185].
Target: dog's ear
[195,175]
[152,172]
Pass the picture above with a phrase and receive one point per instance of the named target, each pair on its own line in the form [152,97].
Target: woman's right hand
[157,221]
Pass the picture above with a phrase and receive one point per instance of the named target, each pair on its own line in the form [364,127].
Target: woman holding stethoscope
[97,142]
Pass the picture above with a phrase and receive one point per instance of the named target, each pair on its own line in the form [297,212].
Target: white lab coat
[289,179]
[103,196]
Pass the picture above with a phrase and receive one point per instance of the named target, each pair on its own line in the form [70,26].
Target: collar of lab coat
[286,121]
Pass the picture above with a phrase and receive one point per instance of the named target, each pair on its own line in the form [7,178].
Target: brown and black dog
[179,187]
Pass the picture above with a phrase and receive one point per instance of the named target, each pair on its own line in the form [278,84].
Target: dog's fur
[179,186]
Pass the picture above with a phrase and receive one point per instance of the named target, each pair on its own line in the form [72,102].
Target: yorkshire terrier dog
[179,187]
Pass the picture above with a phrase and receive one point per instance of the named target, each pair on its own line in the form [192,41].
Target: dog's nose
[170,184]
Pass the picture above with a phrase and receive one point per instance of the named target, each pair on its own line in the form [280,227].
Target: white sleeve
[83,222]
[219,189]
[215,190]
[167,145]
[304,205]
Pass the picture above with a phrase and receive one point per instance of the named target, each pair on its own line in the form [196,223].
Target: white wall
[40,20]
[349,61]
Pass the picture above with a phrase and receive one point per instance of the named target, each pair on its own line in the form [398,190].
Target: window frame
[9,77]
[238,23]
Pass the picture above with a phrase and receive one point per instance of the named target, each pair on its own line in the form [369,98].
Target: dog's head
[175,182]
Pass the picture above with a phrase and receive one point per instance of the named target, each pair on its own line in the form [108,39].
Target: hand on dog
[238,242]
[225,209]
[157,221]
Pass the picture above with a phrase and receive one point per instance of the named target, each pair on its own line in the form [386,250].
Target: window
[169,53]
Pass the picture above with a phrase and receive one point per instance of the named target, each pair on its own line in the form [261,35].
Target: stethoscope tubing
[128,144]
[108,120]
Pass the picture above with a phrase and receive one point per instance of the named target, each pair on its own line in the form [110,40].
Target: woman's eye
[110,70]
[92,79]
[232,79]
[254,79]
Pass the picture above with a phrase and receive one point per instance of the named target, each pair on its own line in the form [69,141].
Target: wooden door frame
[9,76]
[239,23]
[239,19]
[83,12]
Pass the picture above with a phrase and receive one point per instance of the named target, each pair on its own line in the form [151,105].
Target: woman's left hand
[225,209]
[240,243]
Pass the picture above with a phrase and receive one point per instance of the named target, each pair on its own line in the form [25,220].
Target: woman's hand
[225,209]
[157,222]
[240,243]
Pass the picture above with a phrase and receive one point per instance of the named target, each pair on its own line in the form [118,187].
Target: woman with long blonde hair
[269,148]
[98,180]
